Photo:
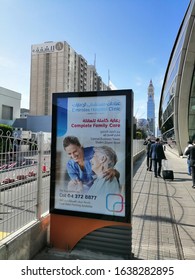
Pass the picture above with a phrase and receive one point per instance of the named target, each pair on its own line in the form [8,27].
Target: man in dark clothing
[149,160]
[191,152]
[157,154]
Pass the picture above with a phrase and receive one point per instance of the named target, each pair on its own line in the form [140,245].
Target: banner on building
[91,154]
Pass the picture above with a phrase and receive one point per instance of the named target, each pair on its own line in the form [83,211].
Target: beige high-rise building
[56,67]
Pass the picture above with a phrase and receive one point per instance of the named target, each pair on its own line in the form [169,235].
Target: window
[7,112]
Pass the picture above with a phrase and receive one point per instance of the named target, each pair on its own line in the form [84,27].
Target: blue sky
[132,39]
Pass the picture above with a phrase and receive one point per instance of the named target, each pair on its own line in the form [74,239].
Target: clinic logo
[114,203]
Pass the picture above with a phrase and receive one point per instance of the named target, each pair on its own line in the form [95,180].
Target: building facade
[10,102]
[177,101]
[151,110]
[56,67]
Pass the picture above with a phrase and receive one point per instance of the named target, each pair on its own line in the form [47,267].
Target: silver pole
[39,173]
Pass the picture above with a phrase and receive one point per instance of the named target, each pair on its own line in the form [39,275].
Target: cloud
[138,81]
[151,61]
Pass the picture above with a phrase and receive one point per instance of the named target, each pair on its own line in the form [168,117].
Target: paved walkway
[163,213]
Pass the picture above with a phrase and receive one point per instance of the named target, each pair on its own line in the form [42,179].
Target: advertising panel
[91,154]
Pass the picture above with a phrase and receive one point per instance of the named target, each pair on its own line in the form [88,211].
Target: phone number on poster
[78,196]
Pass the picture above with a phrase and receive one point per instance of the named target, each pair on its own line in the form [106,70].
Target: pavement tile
[166,223]
[163,214]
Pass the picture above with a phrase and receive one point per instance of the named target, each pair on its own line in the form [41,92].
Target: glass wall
[191,120]
[171,86]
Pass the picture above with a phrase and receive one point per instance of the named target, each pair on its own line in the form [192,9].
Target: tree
[5,138]
[141,134]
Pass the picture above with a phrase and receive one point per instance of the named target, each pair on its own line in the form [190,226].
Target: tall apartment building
[92,78]
[151,109]
[56,67]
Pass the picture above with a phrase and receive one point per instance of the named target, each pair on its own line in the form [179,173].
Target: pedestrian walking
[188,157]
[148,160]
[157,155]
[191,152]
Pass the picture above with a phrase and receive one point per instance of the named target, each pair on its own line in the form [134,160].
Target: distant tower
[151,109]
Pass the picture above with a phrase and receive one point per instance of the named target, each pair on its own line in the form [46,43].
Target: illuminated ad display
[91,154]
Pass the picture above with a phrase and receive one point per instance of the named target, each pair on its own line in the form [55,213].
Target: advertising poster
[89,140]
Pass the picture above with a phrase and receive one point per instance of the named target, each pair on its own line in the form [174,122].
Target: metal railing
[25,181]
